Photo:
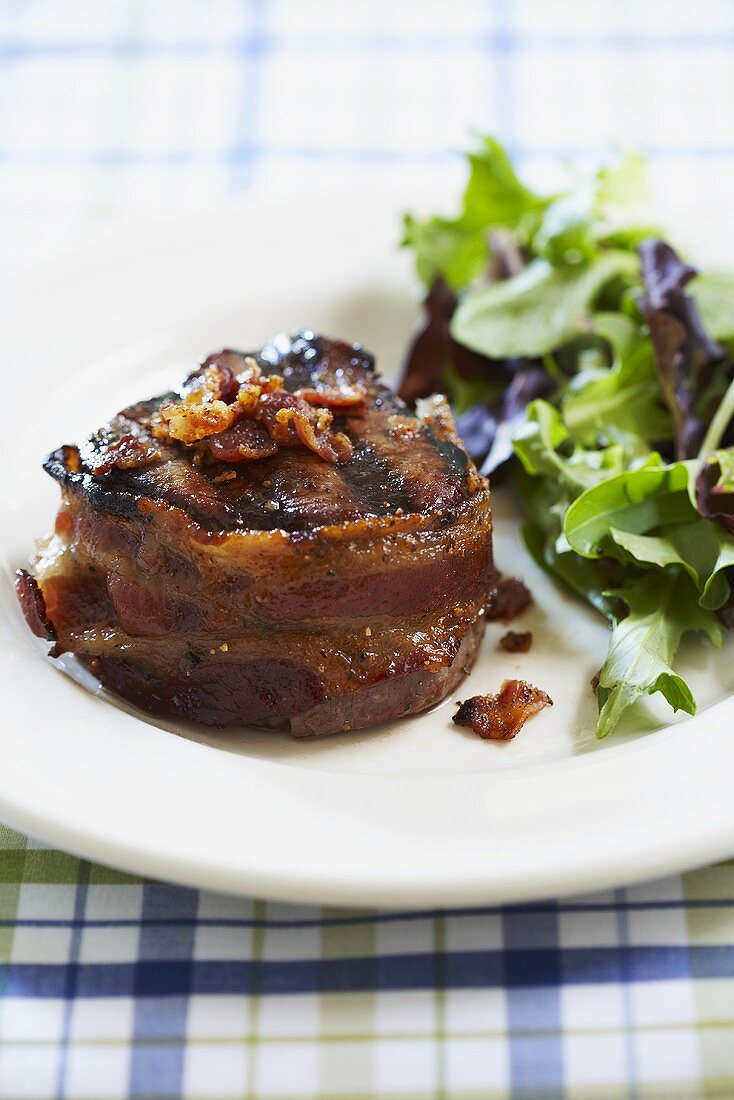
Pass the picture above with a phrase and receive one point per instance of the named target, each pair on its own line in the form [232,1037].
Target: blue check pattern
[111,986]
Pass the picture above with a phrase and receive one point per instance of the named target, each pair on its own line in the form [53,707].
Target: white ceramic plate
[415,813]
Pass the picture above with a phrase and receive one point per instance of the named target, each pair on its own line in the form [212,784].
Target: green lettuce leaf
[446,249]
[604,404]
[580,576]
[457,249]
[494,194]
[713,293]
[545,447]
[702,548]
[538,310]
[636,500]
[663,606]
[609,209]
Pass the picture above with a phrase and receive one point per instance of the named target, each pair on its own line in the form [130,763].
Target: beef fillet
[280,543]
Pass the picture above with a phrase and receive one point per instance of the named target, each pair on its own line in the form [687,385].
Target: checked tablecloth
[115,987]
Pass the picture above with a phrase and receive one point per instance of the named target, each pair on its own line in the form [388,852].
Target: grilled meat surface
[281,543]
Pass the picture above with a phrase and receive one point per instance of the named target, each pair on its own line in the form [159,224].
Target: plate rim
[708,841]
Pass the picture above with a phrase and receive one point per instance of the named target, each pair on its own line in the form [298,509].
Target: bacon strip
[33,605]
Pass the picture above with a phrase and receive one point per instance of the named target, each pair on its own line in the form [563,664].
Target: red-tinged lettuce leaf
[436,362]
[478,428]
[433,353]
[715,489]
[693,369]
[488,430]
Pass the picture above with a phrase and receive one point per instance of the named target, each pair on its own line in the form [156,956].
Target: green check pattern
[111,986]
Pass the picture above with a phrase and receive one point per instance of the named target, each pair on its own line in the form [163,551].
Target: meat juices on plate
[281,543]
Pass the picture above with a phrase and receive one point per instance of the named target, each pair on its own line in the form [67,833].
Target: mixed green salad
[582,352]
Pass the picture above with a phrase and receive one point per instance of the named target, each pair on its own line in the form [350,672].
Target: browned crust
[188,611]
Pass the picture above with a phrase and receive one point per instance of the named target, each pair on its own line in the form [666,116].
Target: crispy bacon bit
[244,442]
[313,431]
[404,427]
[346,399]
[290,420]
[126,453]
[226,475]
[189,421]
[513,642]
[510,599]
[220,375]
[72,459]
[501,717]
[33,605]
[223,401]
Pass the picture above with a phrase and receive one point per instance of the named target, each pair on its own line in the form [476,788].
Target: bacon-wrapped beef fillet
[281,542]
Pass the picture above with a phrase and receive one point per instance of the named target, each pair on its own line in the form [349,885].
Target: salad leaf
[430,350]
[529,383]
[691,366]
[566,233]
[457,249]
[621,400]
[714,488]
[538,310]
[713,293]
[445,249]
[545,447]
[662,607]
[494,194]
[608,209]
[636,500]
[566,327]
[588,580]
[700,547]
[434,362]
